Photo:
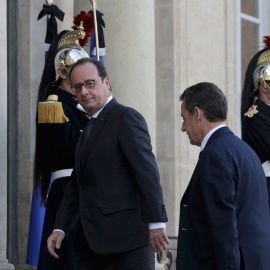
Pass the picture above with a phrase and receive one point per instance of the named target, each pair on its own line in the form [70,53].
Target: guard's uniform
[256,133]
[255,113]
[57,143]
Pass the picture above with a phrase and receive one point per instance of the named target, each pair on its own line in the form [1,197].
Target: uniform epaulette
[251,111]
[51,111]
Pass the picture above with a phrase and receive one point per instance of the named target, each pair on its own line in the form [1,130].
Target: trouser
[136,259]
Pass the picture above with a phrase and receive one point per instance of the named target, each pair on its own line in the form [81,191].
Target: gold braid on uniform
[51,111]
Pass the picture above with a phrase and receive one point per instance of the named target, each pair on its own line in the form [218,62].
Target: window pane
[249,46]
[250,7]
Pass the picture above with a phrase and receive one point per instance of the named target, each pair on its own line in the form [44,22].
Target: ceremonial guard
[255,108]
[60,121]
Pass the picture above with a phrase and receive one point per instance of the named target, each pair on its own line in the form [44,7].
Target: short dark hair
[100,67]
[208,97]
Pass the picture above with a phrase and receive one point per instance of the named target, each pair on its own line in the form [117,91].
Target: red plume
[88,24]
[266,42]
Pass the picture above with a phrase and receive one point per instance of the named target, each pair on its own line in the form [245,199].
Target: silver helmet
[69,50]
[262,72]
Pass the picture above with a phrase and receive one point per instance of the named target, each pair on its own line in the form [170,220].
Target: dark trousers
[136,259]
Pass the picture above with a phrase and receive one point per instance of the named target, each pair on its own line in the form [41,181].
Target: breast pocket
[120,205]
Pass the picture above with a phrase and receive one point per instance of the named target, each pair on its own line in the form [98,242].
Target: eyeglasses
[87,84]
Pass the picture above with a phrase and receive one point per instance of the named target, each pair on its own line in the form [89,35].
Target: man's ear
[197,113]
[107,82]
[61,74]
[262,89]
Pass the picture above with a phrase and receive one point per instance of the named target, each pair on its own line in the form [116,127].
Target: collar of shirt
[208,135]
[95,115]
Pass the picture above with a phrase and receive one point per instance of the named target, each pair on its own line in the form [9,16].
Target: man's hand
[158,239]
[54,241]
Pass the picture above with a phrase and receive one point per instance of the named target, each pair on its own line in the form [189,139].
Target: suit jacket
[115,187]
[224,218]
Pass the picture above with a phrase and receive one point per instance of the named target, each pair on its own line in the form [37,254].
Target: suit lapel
[217,133]
[99,123]
[78,152]
[193,177]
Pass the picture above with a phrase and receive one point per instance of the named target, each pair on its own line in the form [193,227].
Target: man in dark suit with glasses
[115,189]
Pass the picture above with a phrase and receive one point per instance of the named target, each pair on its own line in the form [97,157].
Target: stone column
[4,265]
[130,59]
[166,98]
